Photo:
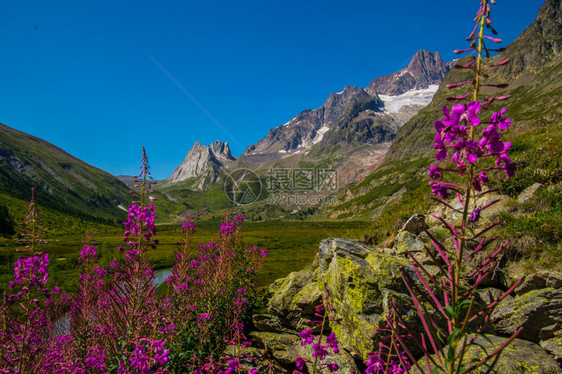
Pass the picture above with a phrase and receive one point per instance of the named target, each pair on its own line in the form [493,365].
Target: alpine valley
[377,139]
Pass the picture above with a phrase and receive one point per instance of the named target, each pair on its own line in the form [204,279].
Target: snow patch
[393,104]
[320,134]
[282,151]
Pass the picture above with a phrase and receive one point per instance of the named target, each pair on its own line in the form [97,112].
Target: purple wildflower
[307,337]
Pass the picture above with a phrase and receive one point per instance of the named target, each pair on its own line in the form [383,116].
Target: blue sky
[102,78]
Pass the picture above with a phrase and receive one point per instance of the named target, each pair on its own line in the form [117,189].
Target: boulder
[406,241]
[535,310]
[295,298]
[282,347]
[529,192]
[332,247]
[540,280]
[519,357]
[361,283]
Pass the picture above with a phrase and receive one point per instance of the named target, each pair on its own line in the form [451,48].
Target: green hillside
[63,183]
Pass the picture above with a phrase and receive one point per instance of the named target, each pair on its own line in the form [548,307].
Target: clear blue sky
[87,75]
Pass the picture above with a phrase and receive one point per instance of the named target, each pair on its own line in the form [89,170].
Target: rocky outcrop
[203,163]
[360,281]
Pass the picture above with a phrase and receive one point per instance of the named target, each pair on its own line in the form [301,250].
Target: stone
[332,247]
[295,299]
[269,323]
[280,346]
[361,289]
[554,347]
[529,192]
[406,241]
[533,310]
[490,294]
[415,224]
[519,357]
[539,281]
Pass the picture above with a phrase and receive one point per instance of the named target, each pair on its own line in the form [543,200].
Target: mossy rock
[361,285]
[283,347]
[295,298]
[533,311]
[519,357]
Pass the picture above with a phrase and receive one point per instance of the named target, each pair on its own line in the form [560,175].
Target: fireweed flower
[188,227]
[31,269]
[332,342]
[307,337]
[319,350]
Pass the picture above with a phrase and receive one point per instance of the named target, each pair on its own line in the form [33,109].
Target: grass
[291,246]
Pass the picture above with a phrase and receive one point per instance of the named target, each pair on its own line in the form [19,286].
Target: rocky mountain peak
[203,162]
[426,68]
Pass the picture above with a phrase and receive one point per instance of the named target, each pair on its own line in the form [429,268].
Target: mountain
[354,115]
[425,69]
[534,81]
[304,130]
[62,181]
[202,164]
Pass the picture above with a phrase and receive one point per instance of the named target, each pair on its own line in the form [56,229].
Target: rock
[361,289]
[295,299]
[554,347]
[269,323]
[539,281]
[280,346]
[529,192]
[332,247]
[519,357]
[534,311]
[415,224]
[549,331]
[406,241]
[488,295]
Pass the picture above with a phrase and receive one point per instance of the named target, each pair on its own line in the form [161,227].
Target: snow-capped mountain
[390,100]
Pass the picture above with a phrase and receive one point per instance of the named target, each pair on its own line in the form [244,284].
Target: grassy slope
[62,181]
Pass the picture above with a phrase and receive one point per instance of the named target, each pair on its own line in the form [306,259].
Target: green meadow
[291,246]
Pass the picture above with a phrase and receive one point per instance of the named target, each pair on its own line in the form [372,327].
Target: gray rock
[490,294]
[519,357]
[529,192]
[361,289]
[534,311]
[332,247]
